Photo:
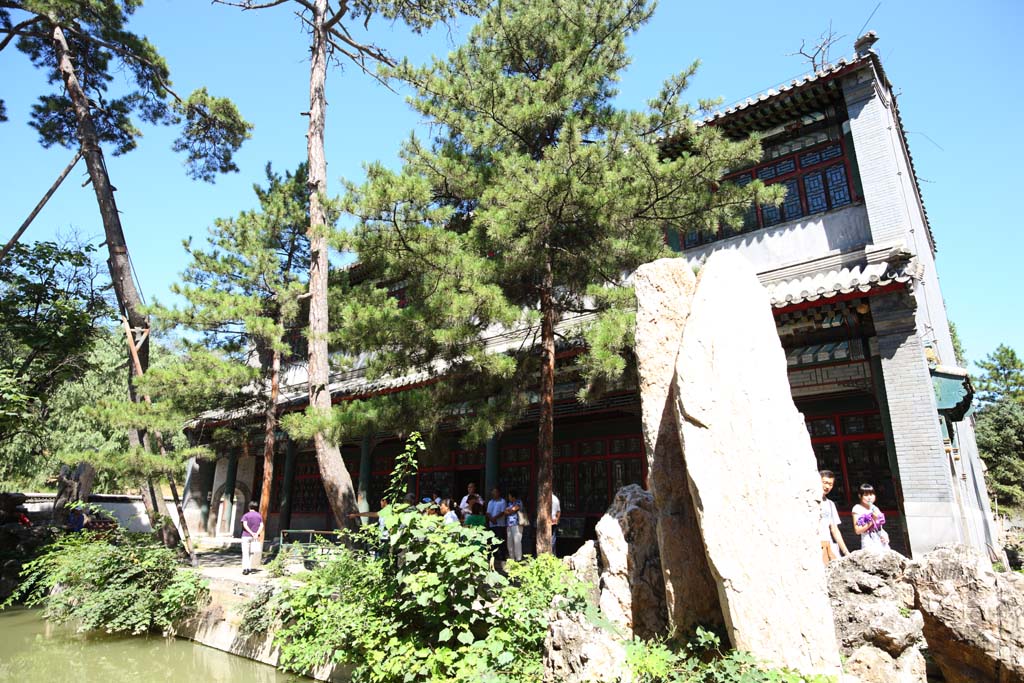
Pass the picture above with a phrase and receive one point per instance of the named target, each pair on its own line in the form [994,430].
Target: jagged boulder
[664,290]
[632,587]
[752,473]
[973,616]
[879,631]
[583,564]
[578,651]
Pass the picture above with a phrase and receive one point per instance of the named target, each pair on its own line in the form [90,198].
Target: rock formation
[632,588]
[752,473]
[973,616]
[879,631]
[577,651]
[664,289]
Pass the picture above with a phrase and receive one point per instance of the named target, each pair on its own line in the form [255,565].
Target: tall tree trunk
[120,268]
[336,480]
[128,299]
[546,436]
[269,430]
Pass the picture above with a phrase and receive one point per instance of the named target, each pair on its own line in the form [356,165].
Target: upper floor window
[816,178]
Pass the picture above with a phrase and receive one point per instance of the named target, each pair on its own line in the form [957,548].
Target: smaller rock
[632,585]
[973,616]
[577,651]
[878,631]
[583,563]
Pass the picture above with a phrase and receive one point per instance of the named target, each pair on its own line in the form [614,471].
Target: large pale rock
[752,473]
[578,651]
[879,631]
[632,589]
[973,617]
[664,289]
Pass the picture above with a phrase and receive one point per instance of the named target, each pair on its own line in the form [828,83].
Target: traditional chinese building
[849,262]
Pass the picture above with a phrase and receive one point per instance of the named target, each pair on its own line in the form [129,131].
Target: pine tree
[1002,376]
[1000,430]
[330,25]
[81,44]
[243,291]
[527,212]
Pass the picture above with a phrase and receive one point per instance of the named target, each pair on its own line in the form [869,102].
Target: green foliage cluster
[102,48]
[112,581]
[425,607]
[1000,424]
[703,661]
[536,196]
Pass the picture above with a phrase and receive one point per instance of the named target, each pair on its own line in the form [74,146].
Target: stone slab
[752,473]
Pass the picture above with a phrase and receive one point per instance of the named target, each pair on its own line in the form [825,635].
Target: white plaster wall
[795,242]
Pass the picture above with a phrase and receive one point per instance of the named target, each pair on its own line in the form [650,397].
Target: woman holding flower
[868,521]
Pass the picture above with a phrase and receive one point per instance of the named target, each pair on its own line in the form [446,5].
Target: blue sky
[954,66]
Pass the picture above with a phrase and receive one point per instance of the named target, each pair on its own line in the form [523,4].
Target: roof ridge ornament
[865,43]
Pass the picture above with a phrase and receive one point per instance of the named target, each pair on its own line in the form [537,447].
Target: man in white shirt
[556,516]
[465,504]
[832,543]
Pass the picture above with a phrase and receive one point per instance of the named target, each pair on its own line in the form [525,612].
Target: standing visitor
[466,505]
[868,521]
[513,527]
[252,535]
[832,543]
[496,519]
[556,515]
[447,511]
[476,516]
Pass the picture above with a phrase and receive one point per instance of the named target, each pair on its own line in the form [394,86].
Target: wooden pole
[39,207]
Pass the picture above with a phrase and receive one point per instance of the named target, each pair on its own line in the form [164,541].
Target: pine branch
[18,30]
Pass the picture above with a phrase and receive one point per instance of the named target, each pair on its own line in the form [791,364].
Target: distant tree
[243,293]
[1000,432]
[53,303]
[1002,376]
[536,199]
[330,25]
[958,346]
[69,430]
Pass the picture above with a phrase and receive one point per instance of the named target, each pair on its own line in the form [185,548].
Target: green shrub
[703,661]
[112,581]
[427,608]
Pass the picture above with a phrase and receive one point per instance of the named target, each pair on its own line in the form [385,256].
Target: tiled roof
[783,89]
[860,272]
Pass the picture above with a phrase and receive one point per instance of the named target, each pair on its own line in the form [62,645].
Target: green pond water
[35,651]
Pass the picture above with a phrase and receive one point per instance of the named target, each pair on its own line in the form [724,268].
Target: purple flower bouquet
[876,523]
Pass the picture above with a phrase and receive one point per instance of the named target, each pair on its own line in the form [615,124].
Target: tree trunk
[336,480]
[120,267]
[269,430]
[128,299]
[546,436]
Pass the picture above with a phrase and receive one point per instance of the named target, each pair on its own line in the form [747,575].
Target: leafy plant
[113,581]
[703,661]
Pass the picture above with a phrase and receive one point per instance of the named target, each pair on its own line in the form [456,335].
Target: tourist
[252,534]
[832,543]
[476,516]
[514,526]
[556,516]
[466,505]
[496,519]
[447,511]
[868,521]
